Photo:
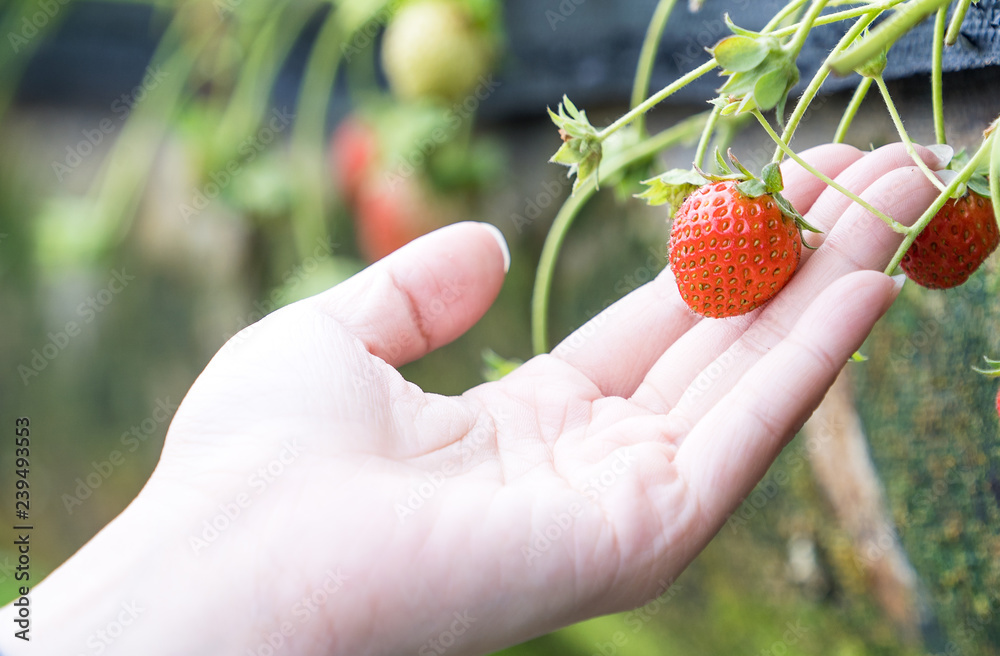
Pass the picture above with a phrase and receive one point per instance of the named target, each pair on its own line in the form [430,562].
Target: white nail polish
[943,152]
[502,241]
[898,280]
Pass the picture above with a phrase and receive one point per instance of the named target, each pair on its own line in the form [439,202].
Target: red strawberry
[393,211]
[354,151]
[954,244]
[729,252]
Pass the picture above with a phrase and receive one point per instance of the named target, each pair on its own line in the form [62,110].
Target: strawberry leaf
[992,368]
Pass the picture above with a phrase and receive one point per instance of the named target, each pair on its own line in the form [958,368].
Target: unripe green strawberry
[432,50]
[954,244]
[731,253]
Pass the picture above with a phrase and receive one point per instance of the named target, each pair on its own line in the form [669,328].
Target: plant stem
[706,136]
[568,212]
[937,94]
[814,85]
[963,176]
[657,98]
[907,142]
[955,28]
[805,26]
[886,34]
[891,222]
[838,16]
[308,132]
[647,57]
[852,109]
[788,10]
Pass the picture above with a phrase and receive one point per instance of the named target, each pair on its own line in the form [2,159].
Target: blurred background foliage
[185,149]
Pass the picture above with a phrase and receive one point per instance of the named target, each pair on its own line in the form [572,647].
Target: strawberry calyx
[581,150]
[770,182]
[991,370]
[761,71]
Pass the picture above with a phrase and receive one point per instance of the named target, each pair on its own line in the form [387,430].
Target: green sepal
[980,184]
[875,66]
[736,29]
[992,368]
[739,54]
[496,367]
[581,150]
[671,188]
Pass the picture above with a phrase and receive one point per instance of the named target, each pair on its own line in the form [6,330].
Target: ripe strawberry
[393,211]
[729,252]
[434,50]
[954,244]
[354,151]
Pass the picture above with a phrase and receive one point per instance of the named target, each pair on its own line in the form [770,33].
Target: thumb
[424,295]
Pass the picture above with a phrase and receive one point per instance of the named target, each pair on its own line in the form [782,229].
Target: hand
[309,500]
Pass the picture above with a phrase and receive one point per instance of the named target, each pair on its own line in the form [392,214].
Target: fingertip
[501,242]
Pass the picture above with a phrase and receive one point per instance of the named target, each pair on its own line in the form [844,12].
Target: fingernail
[946,176]
[502,241]
[898,281]
[943,152]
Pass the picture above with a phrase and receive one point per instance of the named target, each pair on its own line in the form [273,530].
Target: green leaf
[739,54]
[496,367]
[671,188]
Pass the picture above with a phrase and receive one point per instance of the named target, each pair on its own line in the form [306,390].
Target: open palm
[321,504]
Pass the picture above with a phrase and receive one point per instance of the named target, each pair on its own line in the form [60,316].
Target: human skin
[619,448]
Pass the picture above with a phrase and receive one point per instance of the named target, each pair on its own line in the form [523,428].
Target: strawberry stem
[963,176]
[937,93]
[904,137]
[905,18]
[955,28]
[567,214]
[819,78]
[647,58]
[805,26]
[657,98]
[706,137]
[891,222]
[852,109]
